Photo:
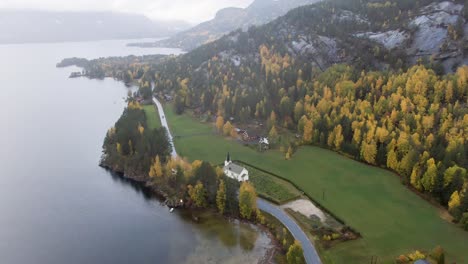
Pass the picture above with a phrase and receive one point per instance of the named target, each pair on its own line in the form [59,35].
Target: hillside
[229,19]
[22,26]
[323,72]
[330,74]
[371,36]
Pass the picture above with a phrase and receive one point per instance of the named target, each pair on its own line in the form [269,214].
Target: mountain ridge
[22,26]
[229,19]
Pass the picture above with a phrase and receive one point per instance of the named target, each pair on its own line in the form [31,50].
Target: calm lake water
[56,204]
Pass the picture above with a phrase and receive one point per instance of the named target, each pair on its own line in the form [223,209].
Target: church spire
[228,160]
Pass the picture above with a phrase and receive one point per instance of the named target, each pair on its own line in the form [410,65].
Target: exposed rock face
[321,50]
[428,35]
[444,6]
[431,27]
[390,39]
[345,16]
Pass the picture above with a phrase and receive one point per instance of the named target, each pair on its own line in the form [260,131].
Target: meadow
[392,219]
[152,117]
[272,188]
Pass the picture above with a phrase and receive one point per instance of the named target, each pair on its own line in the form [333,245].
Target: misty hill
[229,19]
[368,34]
[20,26]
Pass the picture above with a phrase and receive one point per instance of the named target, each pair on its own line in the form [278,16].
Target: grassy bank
[272,188]
[391,219]
[152,116]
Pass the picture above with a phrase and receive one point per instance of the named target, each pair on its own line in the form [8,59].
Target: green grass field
[271,187]
[392,219]
[152,116]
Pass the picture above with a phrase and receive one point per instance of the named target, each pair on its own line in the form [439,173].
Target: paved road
[164,124]
[310,254]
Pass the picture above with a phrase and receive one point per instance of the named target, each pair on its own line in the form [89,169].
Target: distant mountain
[229,19]
[20,26]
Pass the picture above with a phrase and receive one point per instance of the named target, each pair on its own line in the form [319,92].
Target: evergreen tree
[247,200]
[221,197]
[295,254]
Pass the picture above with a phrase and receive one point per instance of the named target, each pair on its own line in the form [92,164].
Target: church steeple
[228,159]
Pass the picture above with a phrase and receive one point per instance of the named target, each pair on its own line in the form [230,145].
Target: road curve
[310,254]
[164,124]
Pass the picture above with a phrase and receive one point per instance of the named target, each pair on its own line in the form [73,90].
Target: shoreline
[270,253]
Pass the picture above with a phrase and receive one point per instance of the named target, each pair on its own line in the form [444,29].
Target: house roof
[234,168]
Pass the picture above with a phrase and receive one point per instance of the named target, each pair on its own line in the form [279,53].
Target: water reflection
[248,236]
[218,239]
[138,187]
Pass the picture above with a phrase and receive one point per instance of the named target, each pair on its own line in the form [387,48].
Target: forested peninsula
[313,78]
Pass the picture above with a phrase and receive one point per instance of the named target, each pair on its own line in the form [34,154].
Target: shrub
[464,221]
[402,259]
[416,255]
[438,255]
[335,236]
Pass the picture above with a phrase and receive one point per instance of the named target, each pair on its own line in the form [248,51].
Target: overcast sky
[193,11]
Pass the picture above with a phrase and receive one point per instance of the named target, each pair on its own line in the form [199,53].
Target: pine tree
[221,197]
[141,129]
[219,123]
[338,140]
[429,178]
[247,200]
[308,131]
[298,111]
[156,168]
[415,178]
[295,254]
[369,152]
[227,128]
[454,200]
[272,120]
[197,194]
[273,135]
[119,148]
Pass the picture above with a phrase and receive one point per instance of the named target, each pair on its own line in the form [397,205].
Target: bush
[295,254]
[417,255]
[464,221]
[402,259]
[438,255]
[335,236]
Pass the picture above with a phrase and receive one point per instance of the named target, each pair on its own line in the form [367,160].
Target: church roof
[234,168]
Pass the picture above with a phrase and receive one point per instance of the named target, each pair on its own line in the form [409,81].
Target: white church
[235,171]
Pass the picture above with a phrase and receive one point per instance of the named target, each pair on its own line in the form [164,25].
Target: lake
[57,205]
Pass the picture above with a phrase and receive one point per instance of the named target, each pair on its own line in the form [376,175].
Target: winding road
[310,253]
[164,124]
